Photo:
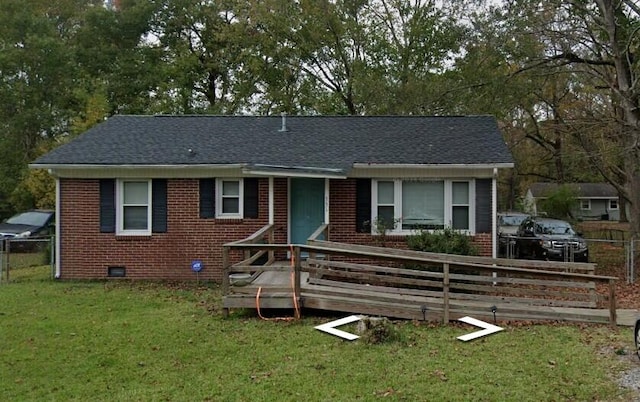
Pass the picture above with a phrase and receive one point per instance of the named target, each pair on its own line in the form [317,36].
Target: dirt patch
[629,379]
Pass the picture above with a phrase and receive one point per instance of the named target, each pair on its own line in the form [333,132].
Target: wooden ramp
[326,295]
[415,285]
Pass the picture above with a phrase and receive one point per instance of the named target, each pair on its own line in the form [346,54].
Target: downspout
[494,215]
[57,248]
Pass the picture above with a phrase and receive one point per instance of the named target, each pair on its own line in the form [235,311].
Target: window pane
[230,205]
[386,217]
[423,205]
[231,188]
[460,218]
[135,192]
[135,218]
[460,193]
[385,192]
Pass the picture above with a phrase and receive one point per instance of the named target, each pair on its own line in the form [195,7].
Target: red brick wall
[87,253]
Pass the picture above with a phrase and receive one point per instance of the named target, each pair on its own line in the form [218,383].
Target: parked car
[550,239]
[28,225]
[636,333]
[508,224]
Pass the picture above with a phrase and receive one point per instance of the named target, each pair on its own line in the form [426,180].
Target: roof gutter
[130,166]
[108,171]
[443,166]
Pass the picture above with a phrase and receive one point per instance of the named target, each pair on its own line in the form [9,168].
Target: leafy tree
[38,89]
[599,40]
[560,203]
[118,59]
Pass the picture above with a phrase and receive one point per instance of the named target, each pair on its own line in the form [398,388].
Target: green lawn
[129,341]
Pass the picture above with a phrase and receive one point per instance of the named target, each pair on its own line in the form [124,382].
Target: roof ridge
[317,116]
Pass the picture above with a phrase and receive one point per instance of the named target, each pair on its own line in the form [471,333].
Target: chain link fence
[18,254]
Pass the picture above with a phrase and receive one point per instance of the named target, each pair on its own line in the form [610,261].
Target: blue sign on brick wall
[197,265]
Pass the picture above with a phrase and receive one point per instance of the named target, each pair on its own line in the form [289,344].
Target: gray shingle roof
[583,190]
[330,142]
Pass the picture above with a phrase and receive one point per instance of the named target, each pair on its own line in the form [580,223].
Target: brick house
[147,196]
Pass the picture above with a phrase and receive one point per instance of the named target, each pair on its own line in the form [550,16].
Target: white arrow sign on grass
[330,327]
[488,329]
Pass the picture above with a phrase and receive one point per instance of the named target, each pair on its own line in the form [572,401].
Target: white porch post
[494,211]
[271,198]
[57,261]
[326,200]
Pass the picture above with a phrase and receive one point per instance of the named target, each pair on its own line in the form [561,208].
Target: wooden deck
[415,285]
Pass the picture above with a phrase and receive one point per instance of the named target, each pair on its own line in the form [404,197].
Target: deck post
[445,293]
[271,236]
[226,265]
[612,303]
[296,278]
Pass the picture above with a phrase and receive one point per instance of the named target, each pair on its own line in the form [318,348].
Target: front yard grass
[126,341]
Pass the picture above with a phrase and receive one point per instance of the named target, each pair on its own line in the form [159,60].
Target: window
[133,212]
[427,204]
[585,204]
[133,207]
[229,198]
[613,205]
[422,205]
[460,205]
[386,208]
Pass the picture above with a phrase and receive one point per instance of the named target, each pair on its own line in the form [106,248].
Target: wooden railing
[322,230]
[412,284]
[264,235]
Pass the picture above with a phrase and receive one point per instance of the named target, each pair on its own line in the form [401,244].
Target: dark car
[636,335]
[34,224]
[508,224]
[550,239]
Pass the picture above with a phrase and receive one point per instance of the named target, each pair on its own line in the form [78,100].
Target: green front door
[307,208]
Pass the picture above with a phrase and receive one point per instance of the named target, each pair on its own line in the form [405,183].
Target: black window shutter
[484,204]
[251,197]
[107,205]
[363,205]
[159,206]
[207,198]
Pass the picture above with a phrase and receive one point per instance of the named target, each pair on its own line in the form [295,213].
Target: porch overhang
[294,171]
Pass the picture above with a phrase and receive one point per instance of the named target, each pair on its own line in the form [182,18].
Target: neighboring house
[147,196]
[596,201]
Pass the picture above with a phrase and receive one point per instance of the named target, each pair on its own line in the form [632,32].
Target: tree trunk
[613,17]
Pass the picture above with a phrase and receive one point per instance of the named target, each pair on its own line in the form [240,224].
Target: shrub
[446,241]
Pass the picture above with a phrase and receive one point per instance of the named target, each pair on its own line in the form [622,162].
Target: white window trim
[120,208]
[219,198]
[614,208]
[448,203]
[588,201]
